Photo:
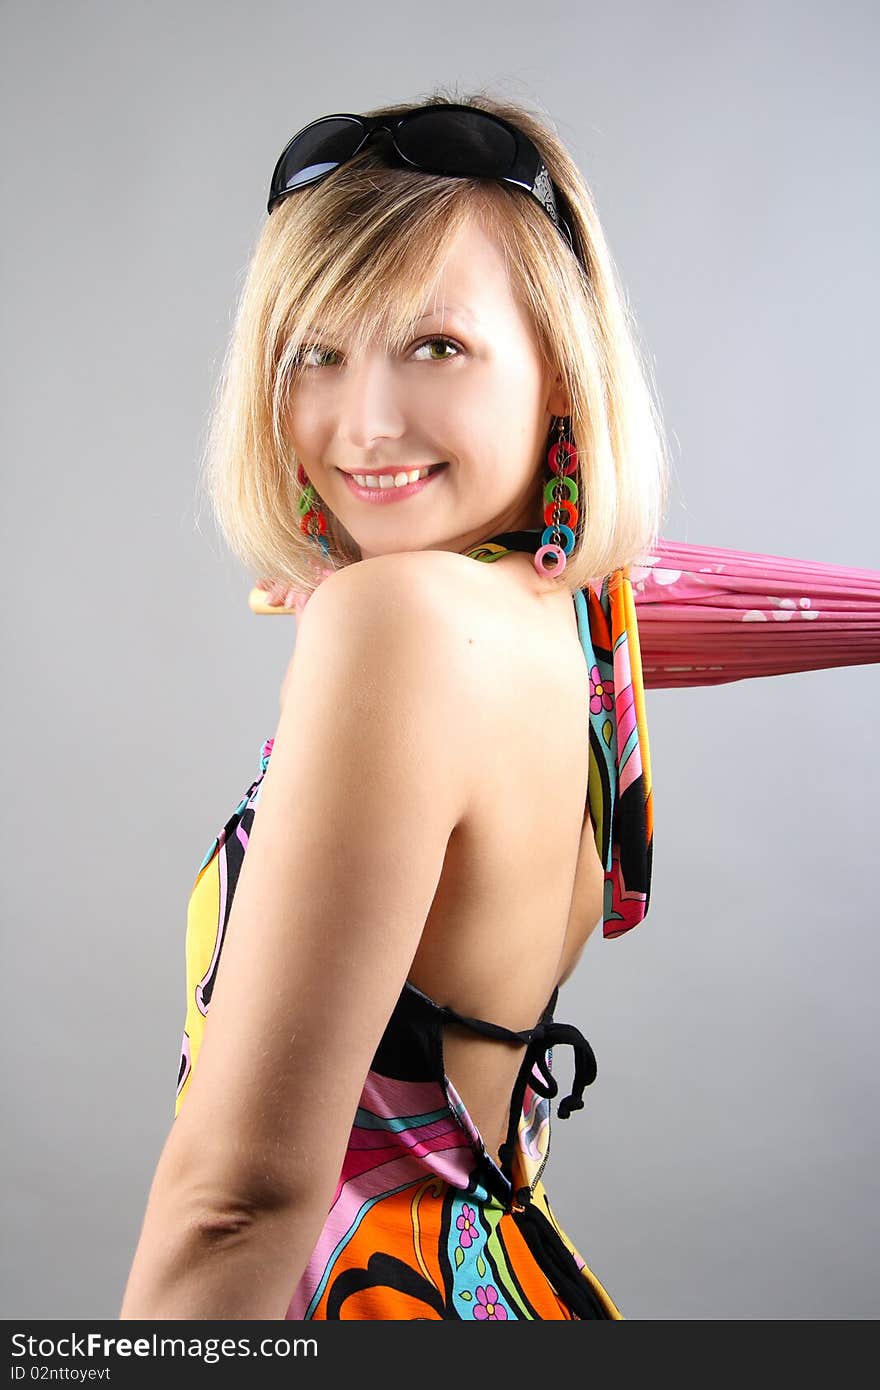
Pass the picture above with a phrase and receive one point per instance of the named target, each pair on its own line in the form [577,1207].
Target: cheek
[494,428]
[512,399]
[303,424]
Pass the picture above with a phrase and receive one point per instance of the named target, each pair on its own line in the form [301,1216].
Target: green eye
[301,359]
[446,342]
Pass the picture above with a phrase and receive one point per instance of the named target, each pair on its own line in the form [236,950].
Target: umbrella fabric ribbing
[708,615]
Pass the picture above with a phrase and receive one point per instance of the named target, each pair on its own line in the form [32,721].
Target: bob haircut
[348,252]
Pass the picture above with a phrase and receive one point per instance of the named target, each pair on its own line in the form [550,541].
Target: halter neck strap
[496,546]
[620,793]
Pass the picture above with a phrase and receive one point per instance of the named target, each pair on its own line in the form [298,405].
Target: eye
[301,358]
[446,342]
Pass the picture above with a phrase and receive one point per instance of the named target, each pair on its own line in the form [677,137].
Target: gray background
[726,1163]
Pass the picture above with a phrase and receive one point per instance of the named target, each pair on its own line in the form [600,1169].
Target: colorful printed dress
[425,1223]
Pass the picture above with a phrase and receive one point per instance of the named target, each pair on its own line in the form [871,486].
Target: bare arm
[368,778]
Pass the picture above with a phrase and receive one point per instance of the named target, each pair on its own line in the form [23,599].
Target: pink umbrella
[707,615]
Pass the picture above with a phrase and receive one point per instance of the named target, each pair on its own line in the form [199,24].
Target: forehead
[471,286]
[473,278]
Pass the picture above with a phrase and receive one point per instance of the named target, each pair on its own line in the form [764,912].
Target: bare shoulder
[420,603]
[390,641]
[403,586]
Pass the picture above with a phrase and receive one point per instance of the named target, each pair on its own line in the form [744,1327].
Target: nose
[370,404]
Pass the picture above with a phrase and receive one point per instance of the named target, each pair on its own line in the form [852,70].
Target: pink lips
[382,496]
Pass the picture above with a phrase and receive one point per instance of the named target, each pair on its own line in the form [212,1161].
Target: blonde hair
[349,252]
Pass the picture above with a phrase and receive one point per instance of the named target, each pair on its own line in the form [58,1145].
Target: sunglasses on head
[447,139]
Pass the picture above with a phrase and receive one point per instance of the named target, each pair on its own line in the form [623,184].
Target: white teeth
[390,479]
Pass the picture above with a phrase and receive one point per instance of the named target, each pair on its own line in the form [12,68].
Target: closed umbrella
[708,615]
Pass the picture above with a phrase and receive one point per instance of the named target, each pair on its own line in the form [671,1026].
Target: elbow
[199,1262]
[235,1205]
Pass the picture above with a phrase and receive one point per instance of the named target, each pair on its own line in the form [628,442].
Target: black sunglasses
[461,141]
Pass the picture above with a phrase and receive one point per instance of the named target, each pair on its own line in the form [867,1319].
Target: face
[470,392]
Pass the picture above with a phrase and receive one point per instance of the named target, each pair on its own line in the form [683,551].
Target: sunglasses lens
[457,142]
[316,151]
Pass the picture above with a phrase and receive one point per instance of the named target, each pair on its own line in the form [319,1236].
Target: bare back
[522,883]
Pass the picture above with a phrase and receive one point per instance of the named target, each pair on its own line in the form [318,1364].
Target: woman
[432,364]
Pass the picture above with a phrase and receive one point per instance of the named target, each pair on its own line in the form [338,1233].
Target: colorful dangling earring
[560,499]
[313,521]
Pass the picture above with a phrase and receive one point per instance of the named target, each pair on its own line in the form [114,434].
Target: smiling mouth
[387,479]
[390,487]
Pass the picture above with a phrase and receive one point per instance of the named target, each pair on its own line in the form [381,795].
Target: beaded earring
[313,521]
[561,493]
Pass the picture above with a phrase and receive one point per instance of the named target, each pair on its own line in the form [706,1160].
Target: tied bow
[547,1034]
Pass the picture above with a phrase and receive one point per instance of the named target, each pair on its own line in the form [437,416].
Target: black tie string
[539,1233]
[547,1033]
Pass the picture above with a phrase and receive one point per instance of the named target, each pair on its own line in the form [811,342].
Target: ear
[558,402]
